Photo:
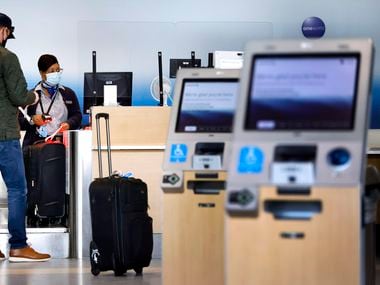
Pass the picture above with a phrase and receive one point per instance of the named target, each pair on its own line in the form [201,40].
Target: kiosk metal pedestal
[296,179]
[193,235]
[195,176]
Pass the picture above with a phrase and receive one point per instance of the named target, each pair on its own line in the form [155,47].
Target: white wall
[128,34]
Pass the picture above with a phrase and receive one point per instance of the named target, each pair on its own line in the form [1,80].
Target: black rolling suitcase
[122,234]
[45,171]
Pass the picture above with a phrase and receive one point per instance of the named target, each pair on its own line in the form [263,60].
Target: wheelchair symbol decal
[178,153]
[251,160]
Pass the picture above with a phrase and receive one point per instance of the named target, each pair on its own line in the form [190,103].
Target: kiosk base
[324,249]
[193,234]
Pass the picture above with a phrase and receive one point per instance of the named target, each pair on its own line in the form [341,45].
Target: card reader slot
[206,187]
[208,148]
[293,210]
[285,190]
[207,175]
[295,153]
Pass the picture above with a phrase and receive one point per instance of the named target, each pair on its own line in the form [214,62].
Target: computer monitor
[207,105]
[228,59]
[177,63]
[118,84]
[308,92]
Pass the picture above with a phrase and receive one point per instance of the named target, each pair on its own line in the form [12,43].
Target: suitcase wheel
[138,271]
[119,272]
[117,269]
[95,271]
[94,258]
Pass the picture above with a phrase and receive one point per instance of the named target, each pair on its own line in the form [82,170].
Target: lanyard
[50,105]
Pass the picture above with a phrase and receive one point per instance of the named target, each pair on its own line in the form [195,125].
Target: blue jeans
[13,172]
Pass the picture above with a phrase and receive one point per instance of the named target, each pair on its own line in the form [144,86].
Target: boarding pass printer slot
[208,156]
[294,165]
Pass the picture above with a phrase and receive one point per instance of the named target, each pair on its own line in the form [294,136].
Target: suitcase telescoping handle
[106,118]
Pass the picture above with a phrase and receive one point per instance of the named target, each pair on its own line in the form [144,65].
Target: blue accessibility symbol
[251,160]
[178,153]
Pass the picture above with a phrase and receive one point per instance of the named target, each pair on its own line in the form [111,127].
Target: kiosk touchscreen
[295,181]
[195,162]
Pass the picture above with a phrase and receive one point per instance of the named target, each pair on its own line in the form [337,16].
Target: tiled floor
[72,272]
[78,272]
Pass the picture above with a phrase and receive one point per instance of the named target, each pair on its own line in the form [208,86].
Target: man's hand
[38,120]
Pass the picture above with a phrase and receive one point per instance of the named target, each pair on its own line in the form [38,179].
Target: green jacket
[13,93]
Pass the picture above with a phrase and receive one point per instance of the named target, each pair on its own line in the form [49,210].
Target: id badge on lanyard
[42,130]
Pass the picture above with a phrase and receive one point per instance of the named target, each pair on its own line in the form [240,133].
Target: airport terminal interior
[211,179]
[247,159]
[73,271]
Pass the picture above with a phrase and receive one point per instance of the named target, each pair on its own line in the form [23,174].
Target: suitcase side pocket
[139,241]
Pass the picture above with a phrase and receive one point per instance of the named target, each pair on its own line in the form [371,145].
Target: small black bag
[45,170]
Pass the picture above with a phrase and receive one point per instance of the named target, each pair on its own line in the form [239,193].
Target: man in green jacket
[14,93]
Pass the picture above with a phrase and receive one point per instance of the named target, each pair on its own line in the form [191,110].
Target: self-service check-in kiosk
[196,157]
[295,182]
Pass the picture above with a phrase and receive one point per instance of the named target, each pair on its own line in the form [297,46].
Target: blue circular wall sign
[313,28]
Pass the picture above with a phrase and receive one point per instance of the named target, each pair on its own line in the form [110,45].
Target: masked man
[14,94]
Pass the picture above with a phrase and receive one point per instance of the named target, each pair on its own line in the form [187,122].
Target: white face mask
[53,78]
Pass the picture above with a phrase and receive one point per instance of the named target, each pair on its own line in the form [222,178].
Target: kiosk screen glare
[207,106]
[312,92]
